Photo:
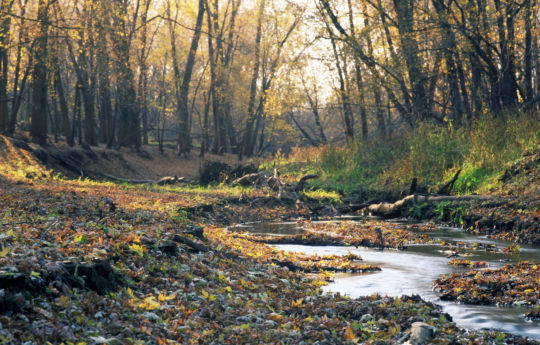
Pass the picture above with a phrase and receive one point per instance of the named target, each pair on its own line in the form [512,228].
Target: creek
[413,271]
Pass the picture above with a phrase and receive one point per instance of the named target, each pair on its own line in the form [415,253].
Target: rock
[270,324]
[366,318]
[420,333]
[67,333]
[44,329]
[150,316]
[108,341]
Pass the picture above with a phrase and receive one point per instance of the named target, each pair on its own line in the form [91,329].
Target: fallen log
[393,209]
[250,179]
[196,247]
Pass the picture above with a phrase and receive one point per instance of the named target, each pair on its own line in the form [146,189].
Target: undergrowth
[432,153]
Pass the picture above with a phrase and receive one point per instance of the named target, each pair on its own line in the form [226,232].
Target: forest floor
[89,262]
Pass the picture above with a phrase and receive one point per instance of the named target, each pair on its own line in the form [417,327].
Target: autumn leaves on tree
[248,76]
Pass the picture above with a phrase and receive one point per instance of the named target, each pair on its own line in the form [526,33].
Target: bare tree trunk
[379,113]
[205,139]
[18,91]
[5,22]
[103,76]
[405,21]
[143,72]
[248,131]
[314,105]
[38,126]
[528,58]
[507,85]
[359,81]
[449,45]
[184,136]
[343,93]
[128,112]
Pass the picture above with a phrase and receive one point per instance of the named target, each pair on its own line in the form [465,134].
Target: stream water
[413,272]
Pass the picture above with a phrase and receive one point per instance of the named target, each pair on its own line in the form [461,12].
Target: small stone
[420,333]
[150,316]
[67,333]
[270,324]
[366,317]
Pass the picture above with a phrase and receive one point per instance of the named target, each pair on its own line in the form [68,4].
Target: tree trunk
[5,22]
[528,58]
[248,131]
[38,126]
[343,94]
[184,136]
[128,112]
[379,113]
[507,86]
[405,20]
[359,81]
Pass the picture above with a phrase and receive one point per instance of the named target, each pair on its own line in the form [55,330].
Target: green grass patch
[483,150]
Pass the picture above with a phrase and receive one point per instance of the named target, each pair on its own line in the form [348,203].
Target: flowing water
[413,272]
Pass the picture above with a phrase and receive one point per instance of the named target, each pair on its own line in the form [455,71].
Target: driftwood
[393,209]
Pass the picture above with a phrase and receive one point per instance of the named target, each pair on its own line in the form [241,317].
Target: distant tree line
[246,76]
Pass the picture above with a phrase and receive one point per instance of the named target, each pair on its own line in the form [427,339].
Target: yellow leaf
[139,250]
[150,303]
[349,335]
[130,292]
[4,252]
[63,301]
[297,303]
[162,297]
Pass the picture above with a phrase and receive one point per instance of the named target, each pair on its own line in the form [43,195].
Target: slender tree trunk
[205,139]
[184,136]
[451,66]
[128,112]
[38,126]
[528,58]
[343,94]
[103,71]
[142,85]
[405,20]
[359,81]
[379,112]
[18,90]
[61,97]
[507,86]
[248,131]
[5,22]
